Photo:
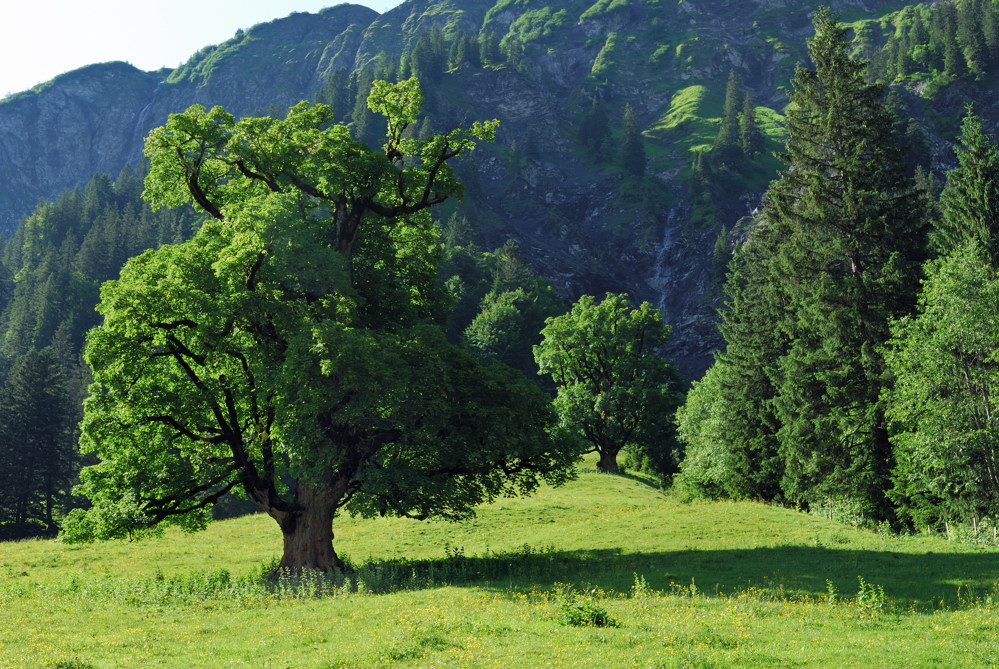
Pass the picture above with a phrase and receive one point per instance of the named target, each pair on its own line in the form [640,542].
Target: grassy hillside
[703,584]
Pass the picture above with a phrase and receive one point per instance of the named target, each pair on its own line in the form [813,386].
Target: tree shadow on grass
[922,581]
[644,479]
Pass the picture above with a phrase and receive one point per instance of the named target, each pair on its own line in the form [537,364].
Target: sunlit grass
[700,584]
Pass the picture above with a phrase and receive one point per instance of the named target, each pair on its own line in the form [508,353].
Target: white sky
[40,39]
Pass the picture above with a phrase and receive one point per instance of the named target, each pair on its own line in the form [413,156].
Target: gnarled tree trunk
[308,530]
[608,461]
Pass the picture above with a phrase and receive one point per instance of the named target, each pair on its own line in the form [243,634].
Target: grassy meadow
[674,585]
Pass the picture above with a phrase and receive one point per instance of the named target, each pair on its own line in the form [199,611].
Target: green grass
[690,124]
[699,584]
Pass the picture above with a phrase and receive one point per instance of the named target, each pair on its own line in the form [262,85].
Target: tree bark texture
[308,531]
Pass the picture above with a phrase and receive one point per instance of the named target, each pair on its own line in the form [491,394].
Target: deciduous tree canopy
[293,351]
[614,391]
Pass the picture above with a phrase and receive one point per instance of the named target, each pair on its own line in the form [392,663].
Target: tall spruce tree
[632,148]
[728,422]
[849,263]
[750,136]
[835,254]
[36,443]
[970,200]
[594,131]
[726,150]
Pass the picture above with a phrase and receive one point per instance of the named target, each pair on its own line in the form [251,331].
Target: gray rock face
[81,123]
[93,120]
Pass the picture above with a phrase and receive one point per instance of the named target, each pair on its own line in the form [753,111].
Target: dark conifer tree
[954,63]
[969,34]
[728,422]
[36,441]
[338,94]
[513,50]
[750,137]
[850,263]
[489,49]
[595,132]
[989,17]
[835,254]
[367,126]
[726,151]
[970,199]
[632,147]
[429,57]
[464,50]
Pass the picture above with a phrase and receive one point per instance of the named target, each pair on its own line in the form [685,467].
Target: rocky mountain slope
[580,220]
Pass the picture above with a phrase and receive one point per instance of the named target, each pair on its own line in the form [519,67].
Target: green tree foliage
[851,262]
[936,42]
[464,50]
[632,154]
[500,303]
[366,125]
[489,49]
[508,326]
[339,93]
[292,351]
[726,150]
[721,254]
[428,59]
[613,390]
[943,406]
[731,166]
[728,423]
[50,271]
[954,63]
[835,255]
[974,50]
[944,358]
[513,52]
[594,132]
[750,136]
[970,199]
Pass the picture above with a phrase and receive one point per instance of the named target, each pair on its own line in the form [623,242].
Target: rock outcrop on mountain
[579,219]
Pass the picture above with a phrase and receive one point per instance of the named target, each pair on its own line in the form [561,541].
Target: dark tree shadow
[921,581]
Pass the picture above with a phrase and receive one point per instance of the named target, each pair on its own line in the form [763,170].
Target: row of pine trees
[949,39]
[50,272]
[861,351]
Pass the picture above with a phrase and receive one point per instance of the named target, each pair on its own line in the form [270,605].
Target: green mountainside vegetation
[835,388]
[386,303]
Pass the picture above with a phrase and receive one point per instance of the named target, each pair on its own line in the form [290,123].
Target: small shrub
[832,593]
[579,612]
[72,664]
[640,588]
[871,599]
